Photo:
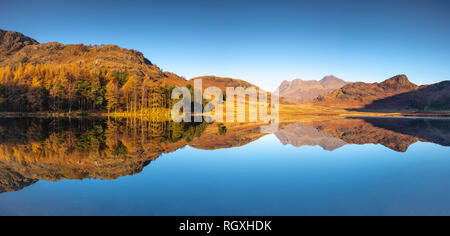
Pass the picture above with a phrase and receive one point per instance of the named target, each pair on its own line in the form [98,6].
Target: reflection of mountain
[426,130]
[304,135]
[394,133]
[357,131]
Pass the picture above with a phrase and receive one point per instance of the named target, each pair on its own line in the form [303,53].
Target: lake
[314,166]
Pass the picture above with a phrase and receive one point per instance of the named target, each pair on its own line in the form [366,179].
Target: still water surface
[317,167]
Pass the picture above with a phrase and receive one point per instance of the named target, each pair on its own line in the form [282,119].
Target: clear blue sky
[263,42]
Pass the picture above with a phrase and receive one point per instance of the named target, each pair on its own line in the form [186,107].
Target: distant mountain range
[358,94]
[301,91]
[392,95]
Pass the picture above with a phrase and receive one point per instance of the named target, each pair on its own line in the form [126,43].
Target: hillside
[11,181]
[11,42]
[63,78]
[220,82]
[107,57]
[301,91]
[357,95]
[433,97]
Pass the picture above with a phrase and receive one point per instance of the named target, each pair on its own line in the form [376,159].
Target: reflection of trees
[186,131]
[222,129]
[54,149]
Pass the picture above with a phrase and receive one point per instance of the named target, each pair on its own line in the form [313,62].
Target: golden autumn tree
[112,95]
[74,87]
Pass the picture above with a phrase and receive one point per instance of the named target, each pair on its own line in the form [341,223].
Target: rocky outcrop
[11,42]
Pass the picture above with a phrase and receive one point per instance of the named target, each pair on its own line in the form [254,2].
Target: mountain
[301,91]
[357,95]
[11,42]
[432,97]
[15,48]
[426,130]
[106,57]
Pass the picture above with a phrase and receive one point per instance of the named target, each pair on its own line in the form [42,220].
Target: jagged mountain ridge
[301,91]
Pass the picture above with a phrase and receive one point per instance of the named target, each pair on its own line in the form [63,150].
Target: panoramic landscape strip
[54,78]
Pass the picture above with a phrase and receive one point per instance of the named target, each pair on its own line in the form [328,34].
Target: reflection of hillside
[56,149]
[237,135]
[394,133]
[78,149]
[427,130]
[305,135]
[357,131]
[11,181]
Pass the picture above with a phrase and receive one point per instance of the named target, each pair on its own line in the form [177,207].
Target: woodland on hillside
[74,87]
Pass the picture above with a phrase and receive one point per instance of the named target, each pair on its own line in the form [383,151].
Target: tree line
[74,87]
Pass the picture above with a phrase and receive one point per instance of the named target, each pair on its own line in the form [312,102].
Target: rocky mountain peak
[300,91]
[11,42]
[398,82]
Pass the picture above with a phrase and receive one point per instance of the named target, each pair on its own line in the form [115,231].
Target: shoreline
[78,115]
[50,115]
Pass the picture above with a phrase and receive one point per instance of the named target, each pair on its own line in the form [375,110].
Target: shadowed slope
[435,97]
[427,130]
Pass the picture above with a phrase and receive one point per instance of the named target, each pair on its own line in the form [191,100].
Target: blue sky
[263,42]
